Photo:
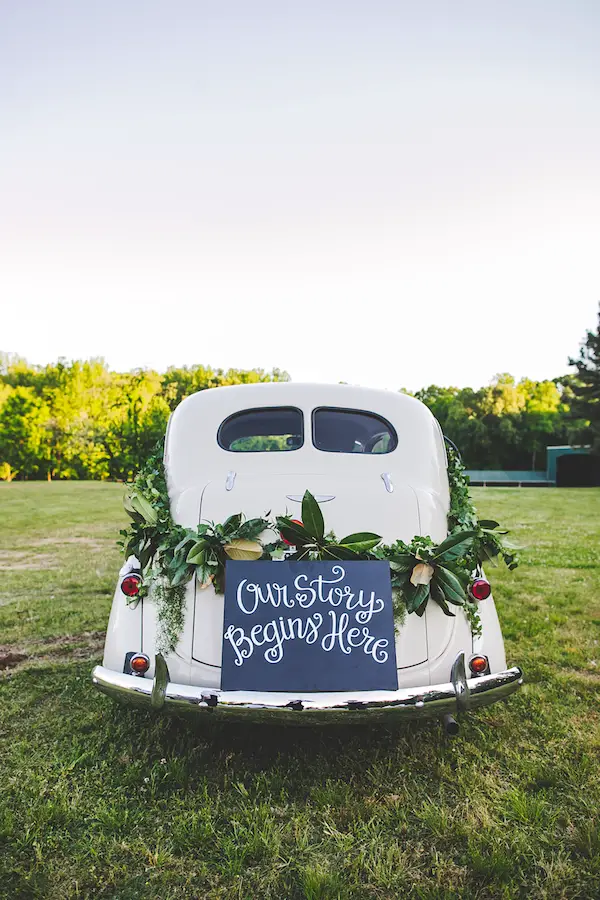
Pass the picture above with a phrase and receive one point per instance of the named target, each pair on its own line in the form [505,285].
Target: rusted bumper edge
[460,694]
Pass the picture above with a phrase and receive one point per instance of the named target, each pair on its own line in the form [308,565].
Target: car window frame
[348,409]
[258,409]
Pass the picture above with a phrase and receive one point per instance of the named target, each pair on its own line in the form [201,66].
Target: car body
[375,461]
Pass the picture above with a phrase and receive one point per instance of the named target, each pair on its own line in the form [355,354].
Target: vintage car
[374,460]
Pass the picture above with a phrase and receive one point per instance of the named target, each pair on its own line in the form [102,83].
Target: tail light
[131,585]
[139,663]
[479,665]
[480,589]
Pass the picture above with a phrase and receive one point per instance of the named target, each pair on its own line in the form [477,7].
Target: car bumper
[460,694]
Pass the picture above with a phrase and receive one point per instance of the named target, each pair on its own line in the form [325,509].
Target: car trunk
[348,506]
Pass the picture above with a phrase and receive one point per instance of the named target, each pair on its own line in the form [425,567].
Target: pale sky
[385,192]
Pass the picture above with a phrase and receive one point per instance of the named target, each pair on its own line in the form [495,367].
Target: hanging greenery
[171,555]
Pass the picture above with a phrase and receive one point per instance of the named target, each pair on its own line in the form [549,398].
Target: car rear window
[272,429]
[352,431]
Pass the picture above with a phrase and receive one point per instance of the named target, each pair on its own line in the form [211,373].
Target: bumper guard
[458,695]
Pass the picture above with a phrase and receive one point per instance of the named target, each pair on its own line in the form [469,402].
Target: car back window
[272,429]
[352,431]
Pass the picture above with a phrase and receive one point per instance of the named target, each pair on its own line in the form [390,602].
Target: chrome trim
[457,695]
[387,480]
[230,481]
[458,676]
[160,683]
[320,498]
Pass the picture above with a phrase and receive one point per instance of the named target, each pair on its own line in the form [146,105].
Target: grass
[99,801]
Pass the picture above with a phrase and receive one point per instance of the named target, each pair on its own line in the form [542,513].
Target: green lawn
[98,801]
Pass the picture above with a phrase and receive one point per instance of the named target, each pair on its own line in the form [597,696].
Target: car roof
[192,447]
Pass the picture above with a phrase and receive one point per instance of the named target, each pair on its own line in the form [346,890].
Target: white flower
[421,574]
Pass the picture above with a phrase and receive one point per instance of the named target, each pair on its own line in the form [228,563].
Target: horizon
[13,358]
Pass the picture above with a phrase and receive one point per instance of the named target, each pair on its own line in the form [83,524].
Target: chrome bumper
[458,695]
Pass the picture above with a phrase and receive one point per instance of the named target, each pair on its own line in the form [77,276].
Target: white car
[375,461]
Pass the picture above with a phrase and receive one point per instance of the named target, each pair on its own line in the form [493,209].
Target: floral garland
[171,555]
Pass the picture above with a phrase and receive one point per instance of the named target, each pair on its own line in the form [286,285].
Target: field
[98,801]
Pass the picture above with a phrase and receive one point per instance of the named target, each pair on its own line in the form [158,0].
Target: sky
[382,192]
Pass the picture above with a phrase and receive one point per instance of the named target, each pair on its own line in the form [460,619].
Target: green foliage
[170,555]
[506,425]
[488,542]
[311,542]
[80,420]
[585,407]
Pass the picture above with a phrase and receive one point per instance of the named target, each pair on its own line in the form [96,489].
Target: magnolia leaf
[291,531]
[452,540]
[127,502]
[421,609]
[421,574]
[232,523]
[360,537]
[312,517]
[450,585]
[416,596]
[360,546]
[437,595]
[144,508]
[196,553]
[242,549]
[336,551]
[403,562]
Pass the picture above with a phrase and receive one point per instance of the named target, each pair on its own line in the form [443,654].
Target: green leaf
[488,523]
[415,597]
[182,575]
[450,585]
[188,539]
[453,540]
[312,517]
[294,533]
[437,595]
[251,528]
[196,555]
[336,551]
[360,546]
[232,523]
[144,508]
[403,562]
[360,537]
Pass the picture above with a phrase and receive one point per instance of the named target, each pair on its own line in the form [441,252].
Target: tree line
[82,420]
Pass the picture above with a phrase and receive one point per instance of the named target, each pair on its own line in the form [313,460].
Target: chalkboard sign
[308,626]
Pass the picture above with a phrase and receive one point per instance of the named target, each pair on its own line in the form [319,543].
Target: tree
[585,405]
[24,442]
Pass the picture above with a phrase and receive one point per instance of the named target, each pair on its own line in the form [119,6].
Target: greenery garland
[171,555]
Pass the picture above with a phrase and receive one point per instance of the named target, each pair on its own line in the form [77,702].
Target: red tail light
[480,589]
[131,585]
[479,665]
